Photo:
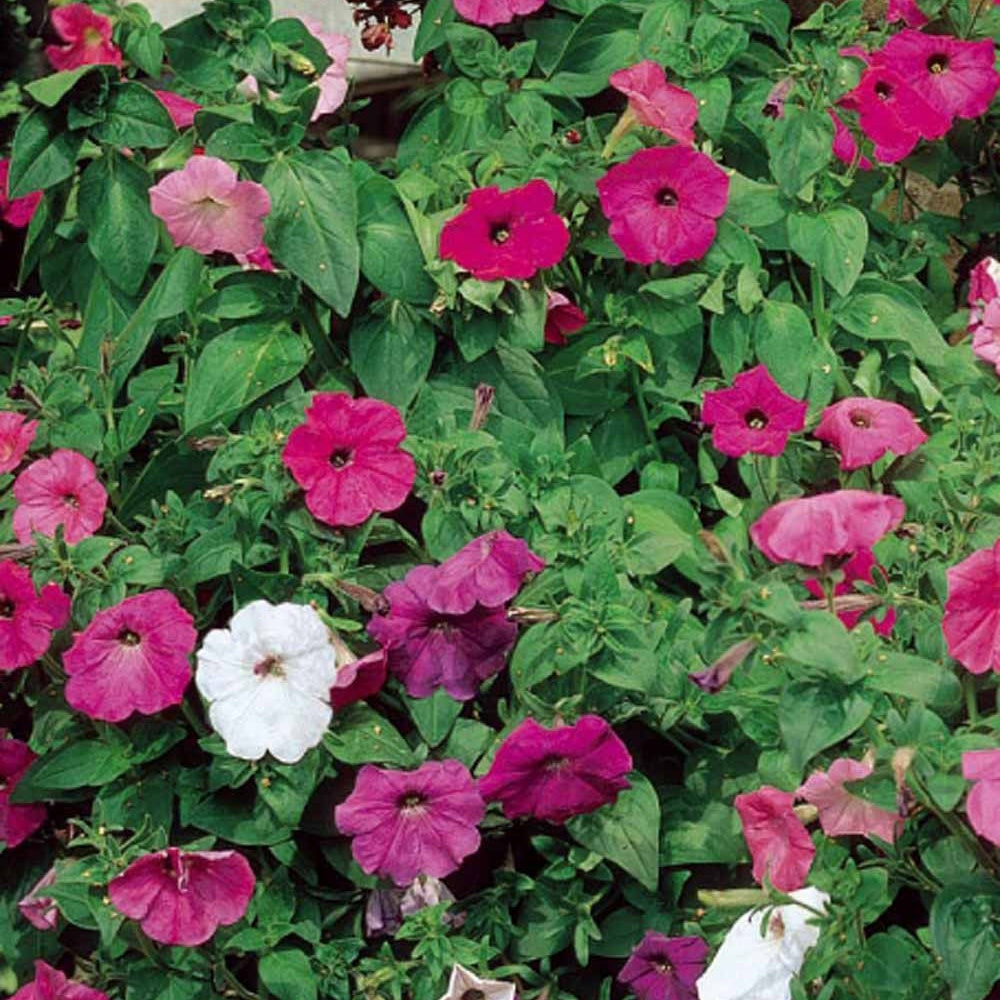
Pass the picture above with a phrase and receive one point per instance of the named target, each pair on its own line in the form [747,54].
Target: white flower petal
[462,981]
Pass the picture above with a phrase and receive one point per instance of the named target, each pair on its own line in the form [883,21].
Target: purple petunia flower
[664,968]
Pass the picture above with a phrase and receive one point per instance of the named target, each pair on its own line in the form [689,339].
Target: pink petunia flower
[180,109]
[860,568]
[983,802]
[206,207]
[753,415]
[87,35]
[843,814]
[863,430]
[779,843]
[16,435]
[38,909]
[17,822]
[430,649]
[984,310]
[359,679]
[653,101]
[812,530]
[132,657]
[27,617]
[491,12]
[19,211]
[845,146]
[333,82]
[346,457]
[971,622]
[562,317]
[555,774]
[906,11]
[50,983]
[61,490]
[665,968]
[258,259]
[410,823]
[662,204]
[183,897]
[506,234]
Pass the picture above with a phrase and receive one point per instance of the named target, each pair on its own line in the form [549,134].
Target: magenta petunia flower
[779,843]
[555,774]
[61,490]
[984,311]
[906,11]
[971,622]
[333,82]
[180,109]
[17,822]
[51,984]
[983,802]
[206,207]
[359,679]
[131,658]
[665,968]
[562,317]
[19,211]
[87,35]
[843,814]
[27,617]
[860,568]
[39,909]
[256,260]
[410,823]
[845,146]
[506,234]
[653,101]
[662,204]
[863,430]
[430,649]
[16,435]
[491,12]
[346,457]
[753,415]
[812,530]
[183,897]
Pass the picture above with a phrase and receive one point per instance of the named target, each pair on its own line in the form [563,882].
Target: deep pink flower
[181,110]
[656,103]
[906,11]
[206,207]
[662,204]
[971,621]
[87,35]
[50,983]
[811,530]
[779,843]
[346,457]
[17,822]
[753,415]
[665,968]
[984,310]
[983,802]
[333,82]
[843,814]
[17,213]
[555,774]
[16,435]
[183,897]
[257,260]
[506,234]
[132,657]
[27,617]
[860,568]
[863,430]
[430,649]
[562,317]
[38,909]
[359,679]
[59,490]
[845,146]
[410,823]
[490,12]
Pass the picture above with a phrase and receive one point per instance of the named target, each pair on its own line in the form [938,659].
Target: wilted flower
[38,909]
[465,985]
[16,212]
[863,430]
[491,12]
[715,677]
[779,843]
[906,11]
[971,622]
[983,802]
[87,35]
[653,101]
[562,317]
[51,984]
[27,617]
[841,813]
[17,822]
[860,568]
[664,968]
[180,109]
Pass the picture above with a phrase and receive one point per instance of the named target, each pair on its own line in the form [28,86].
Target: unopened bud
[483,405]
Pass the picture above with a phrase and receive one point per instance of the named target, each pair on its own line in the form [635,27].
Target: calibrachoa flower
[506,234]
[906,11]
[842,813]
[61,490]
[984,310]
[813,530]
[333,82]
[346,457]
[16,435]
[464,985]
[430,649]
[753,415]
[87,35]
[983,802]
[562,317]
[554,774]
[410,823]
[779,843]
[19,211]
[184,897]
[664,968]
[863,430]
[655,102]
[38,909]
[51,984]
[267,680]
[662,204]
[206,207]
[180,109]
[27,617]
[17,822]
[133,657]
[860,568]
[490,12]
[971,623]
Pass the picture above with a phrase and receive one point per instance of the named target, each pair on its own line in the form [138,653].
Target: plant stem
[971,701]
[644,413]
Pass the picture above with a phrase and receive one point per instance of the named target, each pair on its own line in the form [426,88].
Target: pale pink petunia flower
[983,802]
[51,984]
[492,12]
[87,35]
[984,310]
[656,103]
[562,317]
[971,622]
[39,909]
[779,843]
[333,82]
[16,212]
[843,814]
[16,435]
[17,822]
[28,617]
[863,430]
[180,109]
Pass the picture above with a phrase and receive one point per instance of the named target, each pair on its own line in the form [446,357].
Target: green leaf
[50,90]
[815,715]
[360,735]
[391,354]
[753,204]
[135,117]
[604,41]
[964,920]
[823,644]
[436,17]
[86,762]
[880,311]
[683,289]
[834,242]
[44,153]
[799,145]
[783,340]
[434,716]
[914,677]
[192,49]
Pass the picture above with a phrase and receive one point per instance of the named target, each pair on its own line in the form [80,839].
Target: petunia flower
[258,259]
[39,909]
[61,490]
[465,985]
[333,82]
[346,457]
[971,622]
[984,310]
[779,843]
[863,430]
[654,102]
[183,897]
[410,823]
[555,774]
[133,657]
[16,435]
[983,802]
[562,317]
[845,146]
[841,813]
[357,679]
[774,106]
[28,617]
[492,12]
[860,568]
[506,234]
[17,822]
[906,11]
[662,204]
[430,649]
[206,207]
[664,968]
[16,212]
[267,680]
[753,415]
[51,984]
[87,35]
[387,908]
[180,109]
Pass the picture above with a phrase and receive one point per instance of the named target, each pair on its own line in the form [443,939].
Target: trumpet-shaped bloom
[779,843]
[863,430]
[359,679]
[180,109]
[51,984]
[17,822]
[333,82]
[971,623]
[16,435]
[562,317]
[860,568]
[653,101]
[465,985]
[984,310]
[39,909]
[845,146]
[841,813]
[16,212]
[665,968]
[492,12]
[983,802]
[87,38]
[27,617]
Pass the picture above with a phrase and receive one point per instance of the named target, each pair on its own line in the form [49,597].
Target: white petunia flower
[267,679]
[752,966]
[463,985]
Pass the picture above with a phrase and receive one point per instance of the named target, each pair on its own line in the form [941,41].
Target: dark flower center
[499,233]
[7,608]
[555,763]
[756,420]
[937,63]
[883,91]
[662,965]
[666,196]
[411,802]
[442,625]
[771,110]
[341,457]
[128,638]
[71,500]
[270,666]
[473,995]
[860,419]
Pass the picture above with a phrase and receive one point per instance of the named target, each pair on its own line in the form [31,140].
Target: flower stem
[971,698]
[644,413]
